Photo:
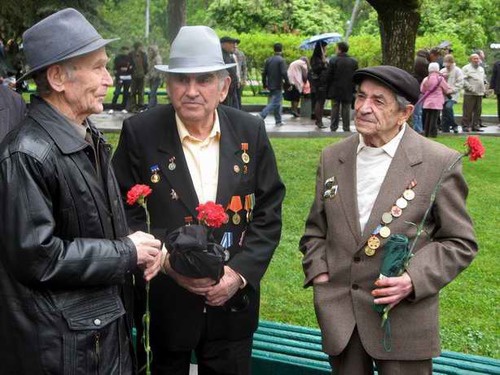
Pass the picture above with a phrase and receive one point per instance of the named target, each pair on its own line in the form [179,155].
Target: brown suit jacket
[333,243]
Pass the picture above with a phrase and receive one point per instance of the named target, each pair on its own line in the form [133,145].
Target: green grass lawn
[469,305]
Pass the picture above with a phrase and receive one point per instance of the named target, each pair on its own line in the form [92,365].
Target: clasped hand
[216,294]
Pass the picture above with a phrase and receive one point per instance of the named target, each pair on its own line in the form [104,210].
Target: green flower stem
[420,226]
[147,316]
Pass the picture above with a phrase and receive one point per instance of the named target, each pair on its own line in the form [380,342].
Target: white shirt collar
[389,148]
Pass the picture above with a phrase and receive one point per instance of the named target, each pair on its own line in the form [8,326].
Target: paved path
[293,127]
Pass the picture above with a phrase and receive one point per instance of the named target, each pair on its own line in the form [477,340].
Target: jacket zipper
[97,351]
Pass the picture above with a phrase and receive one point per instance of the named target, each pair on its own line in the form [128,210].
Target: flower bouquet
[193,252]
[398,251]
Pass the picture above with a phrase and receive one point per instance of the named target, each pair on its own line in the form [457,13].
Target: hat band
[190,62]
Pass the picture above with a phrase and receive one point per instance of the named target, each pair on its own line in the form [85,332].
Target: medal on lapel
[235,205]
[173,195]
[155,176]
[244,156]
[171,163]
[226,243]
[331,188]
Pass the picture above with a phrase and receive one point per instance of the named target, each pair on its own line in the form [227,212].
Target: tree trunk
[398,22]
[176,11]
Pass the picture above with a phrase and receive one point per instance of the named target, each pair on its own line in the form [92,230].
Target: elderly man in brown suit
[363,182]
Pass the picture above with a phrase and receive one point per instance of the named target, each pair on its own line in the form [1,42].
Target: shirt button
[357,259]
[97,322]
[355,286]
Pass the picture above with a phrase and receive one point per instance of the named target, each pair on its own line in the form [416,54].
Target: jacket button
[355,286]
[357,259]
[97,322]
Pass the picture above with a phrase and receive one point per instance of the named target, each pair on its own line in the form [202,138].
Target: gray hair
[402,102]
[43,87]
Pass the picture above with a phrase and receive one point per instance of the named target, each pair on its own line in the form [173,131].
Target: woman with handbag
[434,88]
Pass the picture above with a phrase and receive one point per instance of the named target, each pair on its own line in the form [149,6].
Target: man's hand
[153,270]
[392,290]
[196,286]
[321,278]
[148,252]
[220,293]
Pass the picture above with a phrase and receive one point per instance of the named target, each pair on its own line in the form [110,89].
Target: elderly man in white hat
[193,151]
[66,256]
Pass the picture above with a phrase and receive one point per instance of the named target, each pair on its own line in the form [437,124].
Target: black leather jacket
[65,263]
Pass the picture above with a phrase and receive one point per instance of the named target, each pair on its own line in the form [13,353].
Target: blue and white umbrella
[327,38]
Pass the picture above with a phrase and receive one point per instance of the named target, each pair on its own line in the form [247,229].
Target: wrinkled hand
[226,288]
[196,286]
[321,278]
[148,252]
[392,290]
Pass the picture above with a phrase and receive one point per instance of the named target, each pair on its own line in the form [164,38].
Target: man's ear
[57,77]
[225,89]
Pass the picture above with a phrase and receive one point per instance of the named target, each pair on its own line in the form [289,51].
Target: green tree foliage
[306,17]
[17,16]
[474,23]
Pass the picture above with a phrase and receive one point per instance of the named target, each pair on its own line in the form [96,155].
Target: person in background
[193,151]
[495,85]
[242,70]
[474,89]
[122,69]
[228,46]
[434,90]
[318,77]
[340,87]
[67,255]
[420,72]
[154,77]
[455,79]
[297,76]
[359,182]
[12,110]
[139,69]
[274,76]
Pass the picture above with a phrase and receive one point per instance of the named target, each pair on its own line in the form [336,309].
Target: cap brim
[94,46]
[201,69]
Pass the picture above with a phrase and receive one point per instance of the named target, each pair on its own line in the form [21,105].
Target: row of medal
[155,169]
[383,230]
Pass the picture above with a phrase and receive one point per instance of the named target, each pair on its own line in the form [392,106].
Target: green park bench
[292,350]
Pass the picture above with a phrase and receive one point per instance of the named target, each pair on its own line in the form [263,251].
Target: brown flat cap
[398,80]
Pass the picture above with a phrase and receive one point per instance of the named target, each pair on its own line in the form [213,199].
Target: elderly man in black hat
[66,256]
[368,186]
[190,152]
[228,45]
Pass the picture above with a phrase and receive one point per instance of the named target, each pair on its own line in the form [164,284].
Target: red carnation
[137,194]
[475,148]
[211,214]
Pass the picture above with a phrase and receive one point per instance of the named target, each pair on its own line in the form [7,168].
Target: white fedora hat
[195,49]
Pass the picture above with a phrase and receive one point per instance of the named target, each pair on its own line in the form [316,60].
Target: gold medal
[402,203]
[385,232]
[409,194]
[244,156]
[236,219]
[396,211]
[386,217]
[369,252]
[155,178]
[373,242]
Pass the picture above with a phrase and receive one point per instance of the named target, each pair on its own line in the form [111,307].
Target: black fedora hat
[58,37]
